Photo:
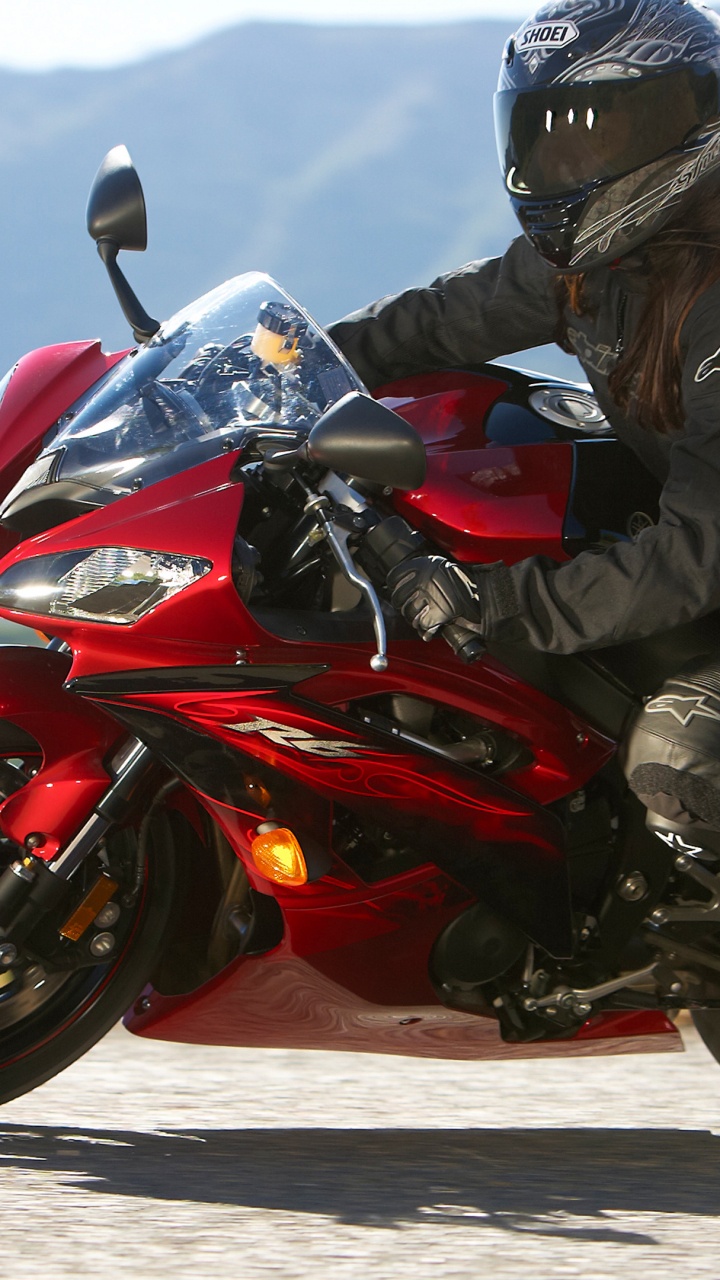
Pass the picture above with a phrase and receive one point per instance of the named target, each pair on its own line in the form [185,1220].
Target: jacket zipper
[622,308]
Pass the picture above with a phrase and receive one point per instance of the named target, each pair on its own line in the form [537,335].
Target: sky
[40,34]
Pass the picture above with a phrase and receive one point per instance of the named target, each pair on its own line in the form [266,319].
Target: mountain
[346,162]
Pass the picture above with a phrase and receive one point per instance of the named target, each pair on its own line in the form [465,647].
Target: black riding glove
[431,592]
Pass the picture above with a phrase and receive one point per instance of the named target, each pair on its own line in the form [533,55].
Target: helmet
[607,113]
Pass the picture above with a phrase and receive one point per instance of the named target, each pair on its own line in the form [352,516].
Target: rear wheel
[50,1016]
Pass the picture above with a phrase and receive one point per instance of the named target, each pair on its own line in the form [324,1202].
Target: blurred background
[345,148]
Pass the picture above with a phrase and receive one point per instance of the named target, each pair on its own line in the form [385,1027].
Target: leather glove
[431,592]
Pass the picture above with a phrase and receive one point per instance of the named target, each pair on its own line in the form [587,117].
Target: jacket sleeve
[668,575]
[484,310]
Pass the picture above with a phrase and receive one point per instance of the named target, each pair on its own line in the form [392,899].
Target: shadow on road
[530,1180]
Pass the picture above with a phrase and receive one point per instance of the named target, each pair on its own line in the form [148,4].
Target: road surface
[152,1160]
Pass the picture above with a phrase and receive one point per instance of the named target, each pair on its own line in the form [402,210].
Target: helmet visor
[561,138]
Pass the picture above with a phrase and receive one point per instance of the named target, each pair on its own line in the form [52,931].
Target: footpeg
[579,1001]
[700,912]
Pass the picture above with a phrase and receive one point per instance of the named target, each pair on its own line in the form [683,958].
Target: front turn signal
[278,857]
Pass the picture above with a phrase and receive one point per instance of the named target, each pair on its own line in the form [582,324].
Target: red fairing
[436,805]
[481,501]
[283,1001]
[74,738]
[352,970]
[566,752]
[192,513]
[43,385]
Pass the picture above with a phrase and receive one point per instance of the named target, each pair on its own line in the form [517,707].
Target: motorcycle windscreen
[244,357]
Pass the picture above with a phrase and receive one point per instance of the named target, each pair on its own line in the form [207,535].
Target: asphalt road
[151,1160]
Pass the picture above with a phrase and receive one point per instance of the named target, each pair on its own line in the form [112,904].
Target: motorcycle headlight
[107,584]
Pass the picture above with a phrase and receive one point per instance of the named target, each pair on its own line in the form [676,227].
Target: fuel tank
[518,465]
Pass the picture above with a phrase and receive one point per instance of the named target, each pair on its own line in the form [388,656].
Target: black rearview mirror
[116,204]
[116,219]
[364,439]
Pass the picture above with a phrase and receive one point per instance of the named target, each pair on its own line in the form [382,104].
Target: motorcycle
[240,798]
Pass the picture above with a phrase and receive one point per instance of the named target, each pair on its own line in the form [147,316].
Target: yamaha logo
[547,35]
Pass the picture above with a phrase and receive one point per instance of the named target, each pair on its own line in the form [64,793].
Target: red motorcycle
[237,790]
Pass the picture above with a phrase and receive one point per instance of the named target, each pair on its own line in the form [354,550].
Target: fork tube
[129,767]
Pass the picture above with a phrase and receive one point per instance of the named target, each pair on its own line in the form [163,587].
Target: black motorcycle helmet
[607,114]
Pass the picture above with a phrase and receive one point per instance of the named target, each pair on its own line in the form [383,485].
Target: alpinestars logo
[547,35]
[283,735]
[708,367]
[674,841]
[683,709]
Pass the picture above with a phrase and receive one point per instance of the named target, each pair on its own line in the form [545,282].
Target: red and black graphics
[480,832]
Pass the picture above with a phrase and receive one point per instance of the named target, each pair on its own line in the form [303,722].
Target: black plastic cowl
[46,506]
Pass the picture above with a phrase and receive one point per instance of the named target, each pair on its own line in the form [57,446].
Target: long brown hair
[681,261]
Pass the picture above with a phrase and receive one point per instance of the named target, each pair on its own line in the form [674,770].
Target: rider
[608,128]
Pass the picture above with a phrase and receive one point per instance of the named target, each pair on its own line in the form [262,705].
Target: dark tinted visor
[558,139]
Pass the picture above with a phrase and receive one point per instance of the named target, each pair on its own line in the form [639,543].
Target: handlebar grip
[467,644]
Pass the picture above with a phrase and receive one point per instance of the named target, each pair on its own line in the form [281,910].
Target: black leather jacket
[668,574]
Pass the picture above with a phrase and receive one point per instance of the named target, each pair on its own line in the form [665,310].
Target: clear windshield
[244,356]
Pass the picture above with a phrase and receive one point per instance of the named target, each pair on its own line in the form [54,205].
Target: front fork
[31,886]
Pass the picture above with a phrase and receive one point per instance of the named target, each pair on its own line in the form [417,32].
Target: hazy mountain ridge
[347,162]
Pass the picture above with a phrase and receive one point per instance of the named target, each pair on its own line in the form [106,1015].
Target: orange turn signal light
[278,857]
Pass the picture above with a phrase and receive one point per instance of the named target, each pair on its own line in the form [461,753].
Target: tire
[707,1025]
[84,1004]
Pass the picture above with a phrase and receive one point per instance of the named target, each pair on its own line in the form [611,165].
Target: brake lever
[315,506]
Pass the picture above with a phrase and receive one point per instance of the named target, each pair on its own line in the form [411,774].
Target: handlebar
[466,644]
[389,543]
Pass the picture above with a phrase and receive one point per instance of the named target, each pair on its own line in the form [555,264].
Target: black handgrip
[386,545]
[466,644]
